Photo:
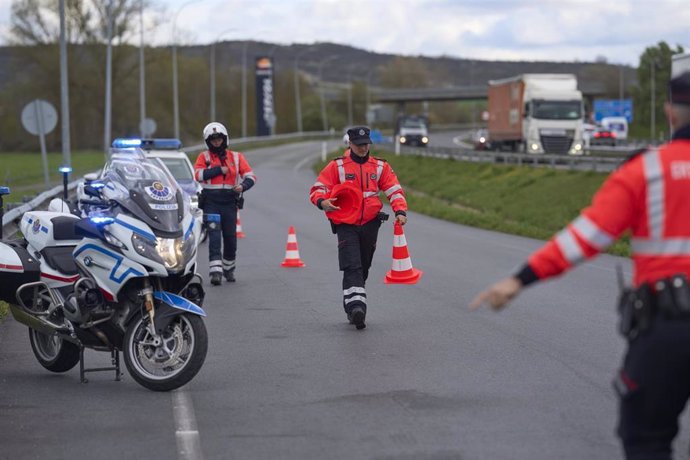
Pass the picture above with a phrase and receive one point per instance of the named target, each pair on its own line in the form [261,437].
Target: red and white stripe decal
[71,279]
[17,268]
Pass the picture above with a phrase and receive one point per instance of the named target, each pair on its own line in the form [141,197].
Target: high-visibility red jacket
[208,173]
[648,195]
[372,176]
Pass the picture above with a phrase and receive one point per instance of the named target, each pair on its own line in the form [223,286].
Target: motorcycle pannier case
[17,267]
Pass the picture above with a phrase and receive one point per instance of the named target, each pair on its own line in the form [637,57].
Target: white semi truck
[536,113]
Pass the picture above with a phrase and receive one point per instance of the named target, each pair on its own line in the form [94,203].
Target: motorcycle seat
[60,258]
[63,227]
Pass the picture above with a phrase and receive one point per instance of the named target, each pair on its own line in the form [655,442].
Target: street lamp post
[142,70]
[108,81]
[244,89]
[298,100]
[64,88]
[212,66]
[349,97]
[369,74]
[176,105]
[324,115]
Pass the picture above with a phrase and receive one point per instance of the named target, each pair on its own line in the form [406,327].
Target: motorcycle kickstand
[114,359]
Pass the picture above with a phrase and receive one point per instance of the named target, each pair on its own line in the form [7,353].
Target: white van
[618,125]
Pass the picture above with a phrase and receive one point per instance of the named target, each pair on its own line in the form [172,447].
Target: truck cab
[536,113]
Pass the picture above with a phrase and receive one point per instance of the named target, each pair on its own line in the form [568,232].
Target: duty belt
[669,297]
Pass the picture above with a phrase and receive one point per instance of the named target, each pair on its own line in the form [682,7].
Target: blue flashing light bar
[121,143]
[97,185]
[148,144]
[101,220]
[4,190]
[65,169]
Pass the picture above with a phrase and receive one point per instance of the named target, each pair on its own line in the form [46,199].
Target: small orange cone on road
[292,251]
[238,231]
[402,271]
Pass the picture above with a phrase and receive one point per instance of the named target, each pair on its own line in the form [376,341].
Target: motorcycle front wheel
[171,363]
[52,352]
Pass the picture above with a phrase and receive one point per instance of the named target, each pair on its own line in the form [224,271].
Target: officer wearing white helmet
[224,176]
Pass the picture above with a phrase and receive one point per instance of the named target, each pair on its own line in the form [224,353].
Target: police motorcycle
[121,279]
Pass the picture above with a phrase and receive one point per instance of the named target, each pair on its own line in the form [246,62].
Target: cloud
[553,30]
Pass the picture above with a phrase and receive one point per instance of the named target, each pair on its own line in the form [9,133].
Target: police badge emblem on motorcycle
[159,192]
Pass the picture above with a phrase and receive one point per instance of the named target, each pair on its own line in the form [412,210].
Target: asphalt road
[287,378]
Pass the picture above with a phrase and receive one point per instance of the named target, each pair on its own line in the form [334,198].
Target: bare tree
[35,22]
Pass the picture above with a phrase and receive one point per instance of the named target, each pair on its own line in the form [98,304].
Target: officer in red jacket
[357,235]
[224,176]
[649,195]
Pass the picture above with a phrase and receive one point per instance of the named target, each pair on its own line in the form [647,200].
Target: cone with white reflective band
[292,251]
[402,271]
[238,227]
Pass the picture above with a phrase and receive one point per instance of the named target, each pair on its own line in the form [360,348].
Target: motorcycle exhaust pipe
[42,325]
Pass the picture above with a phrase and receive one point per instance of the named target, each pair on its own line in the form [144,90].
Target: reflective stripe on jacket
[371,177]
[648,195]
[235,175]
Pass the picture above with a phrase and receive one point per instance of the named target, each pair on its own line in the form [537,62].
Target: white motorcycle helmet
[215,129]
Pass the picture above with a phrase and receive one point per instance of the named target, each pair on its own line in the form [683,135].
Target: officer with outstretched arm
[649,195]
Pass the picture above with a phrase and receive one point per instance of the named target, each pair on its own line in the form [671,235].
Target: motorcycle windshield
[143,187]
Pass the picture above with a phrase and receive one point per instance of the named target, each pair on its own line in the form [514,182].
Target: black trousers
[654,386]
[222,259]
[356,246]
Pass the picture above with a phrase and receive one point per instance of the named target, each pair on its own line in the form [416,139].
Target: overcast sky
[550,30]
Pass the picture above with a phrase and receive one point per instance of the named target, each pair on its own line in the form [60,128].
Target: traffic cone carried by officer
[292,251]
[238,231]
[402,271]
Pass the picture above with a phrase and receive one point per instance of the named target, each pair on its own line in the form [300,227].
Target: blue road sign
[613,108]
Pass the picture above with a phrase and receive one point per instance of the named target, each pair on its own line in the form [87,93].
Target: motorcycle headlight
[146,248]
[170,250]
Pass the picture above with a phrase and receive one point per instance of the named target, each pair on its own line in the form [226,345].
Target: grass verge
[4,308]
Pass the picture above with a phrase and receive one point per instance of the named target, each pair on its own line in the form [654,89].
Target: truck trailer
[680,63]
[536,113]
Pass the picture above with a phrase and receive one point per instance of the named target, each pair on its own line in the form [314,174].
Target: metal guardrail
[10,218]
[277,137]
[582,162]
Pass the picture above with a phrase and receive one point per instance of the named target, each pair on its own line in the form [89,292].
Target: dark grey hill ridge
[357,63]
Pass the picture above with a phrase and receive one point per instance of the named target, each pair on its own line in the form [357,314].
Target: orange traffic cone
[238,231]
[292,251]
[402,271]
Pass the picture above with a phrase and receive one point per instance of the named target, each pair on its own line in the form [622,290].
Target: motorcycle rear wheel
[52,352]
[172,363]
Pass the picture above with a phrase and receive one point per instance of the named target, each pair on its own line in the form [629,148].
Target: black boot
[229,275]
[215,278]
[357,316]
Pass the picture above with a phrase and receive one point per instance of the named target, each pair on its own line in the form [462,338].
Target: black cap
[359,135]
[679,89]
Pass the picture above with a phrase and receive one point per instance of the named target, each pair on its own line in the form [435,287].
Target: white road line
[303,161]
[186,433]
